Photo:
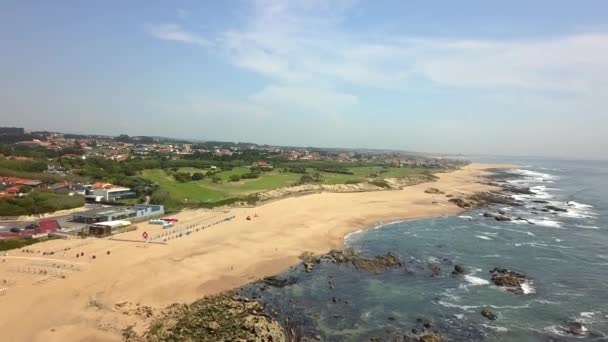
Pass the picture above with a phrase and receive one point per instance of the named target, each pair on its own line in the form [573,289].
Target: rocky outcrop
[375,264]
[487,313]
[434,191]
[554,208]
[502,218]
[497,217]
[577,329]
[510,280]
[461,203]
[488,198]
[275,281]
[224,317]
[458,270]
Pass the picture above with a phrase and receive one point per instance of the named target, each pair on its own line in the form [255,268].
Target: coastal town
[46,172]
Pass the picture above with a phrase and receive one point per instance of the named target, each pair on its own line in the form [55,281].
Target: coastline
[229,255]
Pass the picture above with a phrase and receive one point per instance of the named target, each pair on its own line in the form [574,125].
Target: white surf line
[43,259]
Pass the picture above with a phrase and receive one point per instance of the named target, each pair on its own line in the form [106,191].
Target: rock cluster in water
[487,313]
[510,280]
[376,264]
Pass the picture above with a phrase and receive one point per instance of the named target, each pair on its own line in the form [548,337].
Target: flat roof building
[119,213]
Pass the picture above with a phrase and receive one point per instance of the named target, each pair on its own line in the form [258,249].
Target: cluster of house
[96,192]
[14,186]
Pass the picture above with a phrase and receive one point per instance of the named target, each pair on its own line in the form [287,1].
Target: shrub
[235,178]
[182,177]
[250,175]
[198,176]
[216,179]
[306,179]
[38,202]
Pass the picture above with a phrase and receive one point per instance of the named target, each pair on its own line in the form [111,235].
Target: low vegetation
[8,244]
[206,187]
[38,202]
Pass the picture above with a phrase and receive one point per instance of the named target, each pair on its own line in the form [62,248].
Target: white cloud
[299,99]
[174,32]
[302,42]
[314,65]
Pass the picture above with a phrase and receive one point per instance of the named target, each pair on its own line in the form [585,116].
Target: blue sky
[515,78]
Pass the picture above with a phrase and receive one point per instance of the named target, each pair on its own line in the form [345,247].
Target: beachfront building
[138,211]
[103,229]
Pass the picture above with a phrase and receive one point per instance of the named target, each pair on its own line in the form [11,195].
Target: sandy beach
[61,297]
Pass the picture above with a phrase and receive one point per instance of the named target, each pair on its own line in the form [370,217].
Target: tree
[235,178]
[160,196]
[25,189]
[250,175]
[182,177]
[198,176]
[306,179]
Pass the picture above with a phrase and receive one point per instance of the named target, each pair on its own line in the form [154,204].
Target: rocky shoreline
[241,315]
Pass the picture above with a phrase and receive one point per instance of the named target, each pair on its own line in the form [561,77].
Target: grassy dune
[207,191]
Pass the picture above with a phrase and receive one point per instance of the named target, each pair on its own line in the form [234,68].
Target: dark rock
[309,266]
[516,190]
[275,281]
[502,218]
[434,191]
[458,269]
[376,264]
[554,208]
[460,202]
[577,328]
[540,201]
[488,198]
[502,212]
[487,313]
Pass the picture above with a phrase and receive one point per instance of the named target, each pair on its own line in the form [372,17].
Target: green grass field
[208,192]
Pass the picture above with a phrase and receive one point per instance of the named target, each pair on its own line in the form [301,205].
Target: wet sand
[60,297]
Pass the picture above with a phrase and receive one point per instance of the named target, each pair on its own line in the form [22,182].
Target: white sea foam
[458,306]
[352,235]
[465,217]
[532,174]
[527,287]
[579,205]
[483,237]
[495,328]
[432,260]
[541,245]
[545,222]
[492,256]
[575,214]
[587,227]
[475,281]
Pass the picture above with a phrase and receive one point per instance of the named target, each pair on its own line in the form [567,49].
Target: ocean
[563,253]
